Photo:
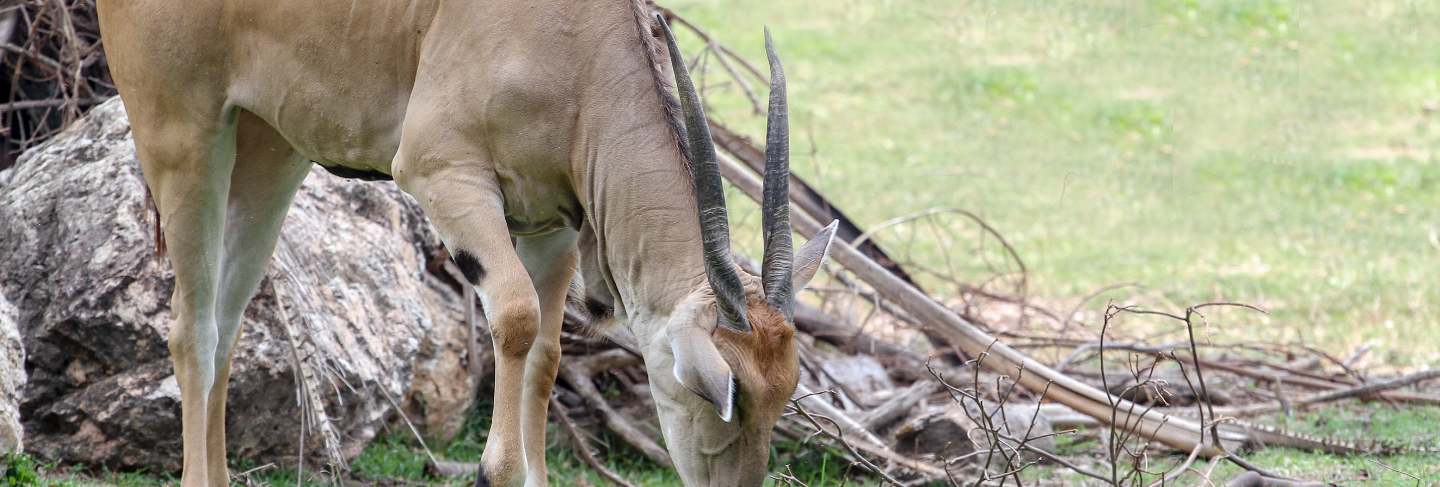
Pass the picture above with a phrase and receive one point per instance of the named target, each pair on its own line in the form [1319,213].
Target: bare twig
[839,436]
[581,447]
[579,378]
[1347,393]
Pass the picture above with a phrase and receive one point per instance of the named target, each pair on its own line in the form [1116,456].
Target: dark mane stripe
[647,32]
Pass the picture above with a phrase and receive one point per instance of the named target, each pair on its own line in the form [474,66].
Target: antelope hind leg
[187,167]
[551,261]
[267,172]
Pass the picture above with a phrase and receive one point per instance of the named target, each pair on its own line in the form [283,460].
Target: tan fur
[546,120]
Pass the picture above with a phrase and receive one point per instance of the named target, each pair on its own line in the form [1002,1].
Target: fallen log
[898,405]
[578,374]
[806,198]
[938,321]
[1337,394]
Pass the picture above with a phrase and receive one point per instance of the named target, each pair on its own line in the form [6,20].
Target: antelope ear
[700,368]
[811,255]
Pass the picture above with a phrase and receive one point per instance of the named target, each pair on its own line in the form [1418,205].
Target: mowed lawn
[1280,153]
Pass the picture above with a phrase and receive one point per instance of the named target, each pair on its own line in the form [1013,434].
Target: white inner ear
[727,412]
[726,406]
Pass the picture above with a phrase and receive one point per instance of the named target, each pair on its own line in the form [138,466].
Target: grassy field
[1276,152]
[395,460]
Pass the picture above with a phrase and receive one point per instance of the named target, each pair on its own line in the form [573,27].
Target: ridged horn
[775,207]
[709,194]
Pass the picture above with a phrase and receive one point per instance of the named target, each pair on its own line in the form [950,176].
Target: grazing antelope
[546,120]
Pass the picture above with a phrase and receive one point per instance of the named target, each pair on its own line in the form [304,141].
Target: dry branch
[578,376]
[809,200]
[1352,392]
[582,447]
[56,70]
[898,405]
[1314,383]
[51,70]
[1179,433]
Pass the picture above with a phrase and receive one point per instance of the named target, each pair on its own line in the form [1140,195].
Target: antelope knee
[515,326]
[546,353]
[192,341]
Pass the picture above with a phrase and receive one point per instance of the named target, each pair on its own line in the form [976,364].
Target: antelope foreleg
[551,261]
[464,202]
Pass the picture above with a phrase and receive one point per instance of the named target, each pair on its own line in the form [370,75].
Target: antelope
[548,121]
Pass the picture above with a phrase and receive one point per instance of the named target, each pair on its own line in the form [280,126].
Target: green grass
[18,470]
[1349,422]
[1358,422]
[1275,152]
[398,457]
[395,458]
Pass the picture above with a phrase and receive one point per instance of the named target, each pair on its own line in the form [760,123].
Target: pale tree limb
[579,378]
[1338,394]
[1180,433]
[582,447]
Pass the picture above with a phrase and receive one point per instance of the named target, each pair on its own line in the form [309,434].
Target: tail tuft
[154,212]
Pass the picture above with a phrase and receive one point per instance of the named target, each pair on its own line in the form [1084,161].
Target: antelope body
[545,120]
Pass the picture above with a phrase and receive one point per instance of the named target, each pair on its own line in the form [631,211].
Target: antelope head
[725,365]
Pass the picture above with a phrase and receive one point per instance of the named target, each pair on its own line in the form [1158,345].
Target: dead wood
[809,200]
[860,451]
[578,376]
[1252,479]
[898,405]
[964,337]
[61,71]
[1346,393]
[1313,383]
[450,469]
[582,447]
[51,70]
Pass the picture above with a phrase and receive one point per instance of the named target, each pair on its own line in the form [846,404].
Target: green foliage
[1276,152]
[390,457]
[816,466]
[1135,122]
[18,470]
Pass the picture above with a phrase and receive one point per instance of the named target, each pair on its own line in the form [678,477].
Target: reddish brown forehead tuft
[764,360]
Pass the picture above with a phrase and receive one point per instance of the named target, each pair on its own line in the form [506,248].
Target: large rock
[77,260]
[443,388]
[12,376]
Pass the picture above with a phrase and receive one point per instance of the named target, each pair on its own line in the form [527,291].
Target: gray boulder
[12,377]
[77,260]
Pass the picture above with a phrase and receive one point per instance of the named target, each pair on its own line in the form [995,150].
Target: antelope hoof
[490,476]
